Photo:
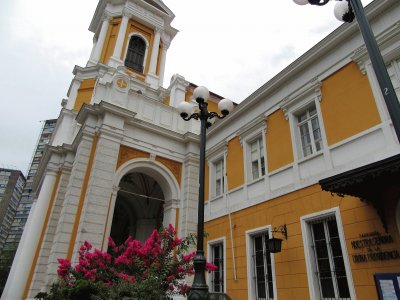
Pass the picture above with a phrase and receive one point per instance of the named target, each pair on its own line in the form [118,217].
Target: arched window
[135,54]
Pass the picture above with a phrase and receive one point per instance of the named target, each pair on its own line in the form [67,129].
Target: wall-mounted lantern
[274,244]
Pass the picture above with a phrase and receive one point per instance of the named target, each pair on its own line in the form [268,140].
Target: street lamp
[199,290]
[346,10]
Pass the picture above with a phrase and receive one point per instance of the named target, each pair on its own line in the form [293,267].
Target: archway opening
[138,208]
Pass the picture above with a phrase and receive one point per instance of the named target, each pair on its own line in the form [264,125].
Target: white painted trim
[211,169]
[249,243]
[209,258]
[259,133]
[305,229]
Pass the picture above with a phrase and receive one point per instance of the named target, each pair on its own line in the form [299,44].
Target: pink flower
[64,267]
[211,267]
[189,257]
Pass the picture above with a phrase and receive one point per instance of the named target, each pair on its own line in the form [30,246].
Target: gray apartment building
[11,186]
[25,204]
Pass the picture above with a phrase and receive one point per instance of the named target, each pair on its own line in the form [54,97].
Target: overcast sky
[230,46]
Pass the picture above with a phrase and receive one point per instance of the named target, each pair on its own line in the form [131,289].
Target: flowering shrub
[133,270]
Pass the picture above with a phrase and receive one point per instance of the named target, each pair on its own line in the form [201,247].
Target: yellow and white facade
[122,161]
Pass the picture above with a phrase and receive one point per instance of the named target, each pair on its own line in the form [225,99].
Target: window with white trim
[328,267]
[309,131]
[218,180]
[257,159]
[136,53]
[263,283]
[217,276]
[394,73]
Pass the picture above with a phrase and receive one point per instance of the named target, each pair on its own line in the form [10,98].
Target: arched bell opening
[139,208]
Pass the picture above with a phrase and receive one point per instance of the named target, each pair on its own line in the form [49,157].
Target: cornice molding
[101,108]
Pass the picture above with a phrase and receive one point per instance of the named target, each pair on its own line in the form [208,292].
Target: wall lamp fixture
[274,244]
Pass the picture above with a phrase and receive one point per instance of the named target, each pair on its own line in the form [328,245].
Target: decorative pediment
[254,127]
[360,55]
[312,89]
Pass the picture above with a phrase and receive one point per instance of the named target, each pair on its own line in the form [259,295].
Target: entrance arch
[138,208]
[145,198]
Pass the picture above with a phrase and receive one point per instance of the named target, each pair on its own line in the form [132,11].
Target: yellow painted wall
[235,164]
[279,143]
[212,106]
[85,93]
[147,33]
[348,106]
[110,40]
[290,267]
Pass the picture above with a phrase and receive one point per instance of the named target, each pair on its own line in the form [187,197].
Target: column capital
[126,13]
[106,17]
[171,204]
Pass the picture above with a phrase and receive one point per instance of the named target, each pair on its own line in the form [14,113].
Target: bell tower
[131,39]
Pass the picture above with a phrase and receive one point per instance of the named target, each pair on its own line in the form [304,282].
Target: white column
[170,212]
[162,63]
[154,52]
[115,59]
[100,40]
[15,286]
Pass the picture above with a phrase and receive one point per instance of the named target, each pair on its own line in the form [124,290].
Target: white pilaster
[154,52]
[151,77]
[162,63]
[98,47]
[73,92]
[115,59]
[15,286]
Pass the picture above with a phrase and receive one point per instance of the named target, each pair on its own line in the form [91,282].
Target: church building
[311,158]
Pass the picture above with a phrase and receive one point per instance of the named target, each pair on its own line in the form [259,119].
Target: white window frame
[215,164]
[307,123]
[252,132]
[250,234]
[145,53]
[394,73]
[306,96]
[259,139]
[210,245]
[308,252]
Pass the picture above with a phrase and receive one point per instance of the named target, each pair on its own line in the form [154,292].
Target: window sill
[310,157]
[253,181]
[215,198]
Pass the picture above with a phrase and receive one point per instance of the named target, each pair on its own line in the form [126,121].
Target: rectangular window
[310,132]
[257,158]
[217,276]
[262,268]
[394,73]
[219,177]
[329,264]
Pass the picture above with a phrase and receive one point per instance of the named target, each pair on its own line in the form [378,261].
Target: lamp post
[199,288]
[346,10]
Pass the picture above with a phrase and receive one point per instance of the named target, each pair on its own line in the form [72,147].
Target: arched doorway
[138,208]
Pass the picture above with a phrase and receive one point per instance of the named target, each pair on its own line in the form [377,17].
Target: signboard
[374,246]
